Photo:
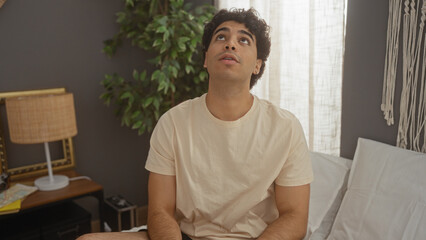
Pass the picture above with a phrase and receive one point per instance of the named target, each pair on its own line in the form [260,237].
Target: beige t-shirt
[225,170]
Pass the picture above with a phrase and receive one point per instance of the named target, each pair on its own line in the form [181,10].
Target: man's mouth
[229,58]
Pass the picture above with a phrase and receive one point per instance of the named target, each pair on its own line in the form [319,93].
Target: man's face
[232,53]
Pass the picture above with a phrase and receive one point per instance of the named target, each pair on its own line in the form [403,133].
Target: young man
[228,165]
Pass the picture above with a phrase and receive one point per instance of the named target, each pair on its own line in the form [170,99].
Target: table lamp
[42,119]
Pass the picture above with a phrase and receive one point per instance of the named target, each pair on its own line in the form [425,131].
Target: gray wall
[46,44]
[50,44]
[364,59]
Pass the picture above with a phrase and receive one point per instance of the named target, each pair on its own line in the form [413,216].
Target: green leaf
[181,46]
[189,69]
[135,74]
[141,130]
[147,102]
[166,36]
[155,75]
[161,29]
[108,77]
[187,7]
[163,48]
[157,115]
[148,123]
[125,120]
[163,20]
[105,96]
[156,61]
[162,77]
[194,42]
[105,83]
[108,50]
[121,16]
[157,42]
[131,34]
[156,104]
[161,86]
[142,76]
[173,53]
[138,124]
[127,95]
[183,39]
[179,3]
[130,3]
[127,110]
[203,75]
[186,27]
[173,71]
[175,64]
[136,114]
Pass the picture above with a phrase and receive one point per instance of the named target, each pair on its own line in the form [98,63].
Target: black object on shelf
[120,214]
[64,221]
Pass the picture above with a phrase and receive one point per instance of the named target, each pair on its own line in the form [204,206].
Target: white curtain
[304,71]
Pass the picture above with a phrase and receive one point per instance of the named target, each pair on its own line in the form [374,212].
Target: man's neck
[229,105]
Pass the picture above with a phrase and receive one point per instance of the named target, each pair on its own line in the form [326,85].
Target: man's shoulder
[183,109]
[186,105]
[276,112]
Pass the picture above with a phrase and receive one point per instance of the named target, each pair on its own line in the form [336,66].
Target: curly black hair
[251,20]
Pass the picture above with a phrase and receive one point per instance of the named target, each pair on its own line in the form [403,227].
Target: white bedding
[330,178]
[386,196]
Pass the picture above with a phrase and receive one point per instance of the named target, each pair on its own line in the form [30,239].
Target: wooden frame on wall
[2,2]
[66,162]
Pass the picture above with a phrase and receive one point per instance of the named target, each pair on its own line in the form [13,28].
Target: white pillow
[386,196]
[330,173]
[324,229]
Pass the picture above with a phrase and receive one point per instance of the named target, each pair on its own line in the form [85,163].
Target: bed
[381,194]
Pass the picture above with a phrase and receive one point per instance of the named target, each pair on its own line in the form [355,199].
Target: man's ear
[257,67]
[205,60]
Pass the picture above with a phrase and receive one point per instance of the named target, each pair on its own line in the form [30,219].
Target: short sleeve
[160,156]
[297,169]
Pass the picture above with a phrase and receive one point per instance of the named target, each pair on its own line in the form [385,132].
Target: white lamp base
[44,183]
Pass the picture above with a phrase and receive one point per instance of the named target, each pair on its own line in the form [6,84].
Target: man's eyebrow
[240,31]
[247,33]
[221,29]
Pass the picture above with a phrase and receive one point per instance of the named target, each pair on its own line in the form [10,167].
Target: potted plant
[172,30]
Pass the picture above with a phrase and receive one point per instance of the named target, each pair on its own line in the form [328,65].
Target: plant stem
[160,6]
[173,93]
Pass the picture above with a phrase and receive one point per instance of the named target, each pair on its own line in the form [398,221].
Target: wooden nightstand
[76,189]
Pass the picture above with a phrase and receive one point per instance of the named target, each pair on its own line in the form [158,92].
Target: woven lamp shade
[41,118]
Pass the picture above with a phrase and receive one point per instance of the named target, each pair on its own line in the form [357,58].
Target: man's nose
[228,47]
[230,44]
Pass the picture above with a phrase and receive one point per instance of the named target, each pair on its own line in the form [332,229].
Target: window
[304,71]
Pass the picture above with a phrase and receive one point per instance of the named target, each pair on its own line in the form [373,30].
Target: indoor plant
[172,30]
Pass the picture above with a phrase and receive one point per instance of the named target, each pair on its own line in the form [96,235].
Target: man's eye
[220,37]
[245,40]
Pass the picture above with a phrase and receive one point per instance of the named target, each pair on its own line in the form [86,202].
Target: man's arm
[293,208]
[161,207]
